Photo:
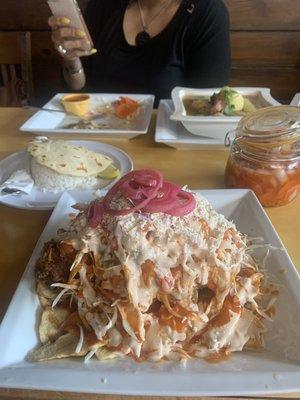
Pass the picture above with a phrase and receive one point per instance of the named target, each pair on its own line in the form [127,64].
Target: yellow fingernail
[93,51]
[64,21]
[79,33]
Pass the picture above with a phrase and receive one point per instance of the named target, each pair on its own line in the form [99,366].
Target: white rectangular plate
[174,134]
[274,370]
[52,122]
[296,100]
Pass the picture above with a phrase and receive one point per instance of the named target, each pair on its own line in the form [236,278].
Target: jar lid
[267,124]
[271,133]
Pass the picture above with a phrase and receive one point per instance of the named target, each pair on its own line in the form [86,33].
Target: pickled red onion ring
[145,177]
[125,211]
[185,207]
[95,213]
[147,192]
[141,183]
[165,199]
[148,178]
[131,190]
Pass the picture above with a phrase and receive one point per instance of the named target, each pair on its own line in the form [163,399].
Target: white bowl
[211,126]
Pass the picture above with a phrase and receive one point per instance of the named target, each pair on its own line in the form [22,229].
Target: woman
[146,46]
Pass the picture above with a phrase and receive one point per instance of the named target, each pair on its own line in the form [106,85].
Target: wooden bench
[16,86]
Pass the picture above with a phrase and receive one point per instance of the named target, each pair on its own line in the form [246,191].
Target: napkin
[19,180]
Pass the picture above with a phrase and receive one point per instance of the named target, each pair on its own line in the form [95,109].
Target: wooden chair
[16,84]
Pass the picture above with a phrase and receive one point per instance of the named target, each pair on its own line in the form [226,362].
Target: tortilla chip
[63,347]
[51,322]
[104,354]
[253,344]
[46,294]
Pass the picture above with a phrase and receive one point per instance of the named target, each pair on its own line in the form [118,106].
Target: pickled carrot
[273,186]
[231,304]
[125,107]
[176,324]
[148,272]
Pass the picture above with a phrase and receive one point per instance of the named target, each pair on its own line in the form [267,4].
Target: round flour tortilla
[68,159]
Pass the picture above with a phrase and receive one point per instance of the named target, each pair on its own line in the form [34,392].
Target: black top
[193,50]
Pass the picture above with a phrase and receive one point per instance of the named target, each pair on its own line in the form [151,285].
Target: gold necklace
[143,37]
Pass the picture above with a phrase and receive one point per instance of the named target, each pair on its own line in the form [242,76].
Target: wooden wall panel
[26,14]
[244,14]
[23,14]
[284,82]
[264,14]
[266,48]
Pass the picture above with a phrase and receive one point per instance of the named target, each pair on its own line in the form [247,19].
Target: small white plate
[53,122]
[213,126]
[174,134]
[274,370]
[38,200]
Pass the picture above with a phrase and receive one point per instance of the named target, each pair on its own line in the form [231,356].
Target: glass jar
[265,155]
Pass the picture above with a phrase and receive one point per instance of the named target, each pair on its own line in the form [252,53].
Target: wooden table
[20,229]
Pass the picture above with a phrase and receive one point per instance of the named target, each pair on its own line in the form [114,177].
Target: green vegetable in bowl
[234,101]
[248,106]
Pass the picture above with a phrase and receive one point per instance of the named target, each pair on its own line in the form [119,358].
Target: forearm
[73,73]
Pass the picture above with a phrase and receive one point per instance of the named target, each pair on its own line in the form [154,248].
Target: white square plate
[214,126]
[174,134]
[274,370]
[53,122]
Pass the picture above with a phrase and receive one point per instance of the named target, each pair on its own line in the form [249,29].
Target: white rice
[50,181]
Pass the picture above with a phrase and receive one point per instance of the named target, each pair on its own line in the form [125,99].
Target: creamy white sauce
[210,252]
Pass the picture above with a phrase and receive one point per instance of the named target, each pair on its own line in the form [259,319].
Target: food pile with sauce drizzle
[153,272]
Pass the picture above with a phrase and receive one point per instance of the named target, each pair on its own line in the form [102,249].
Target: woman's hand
[71,43]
